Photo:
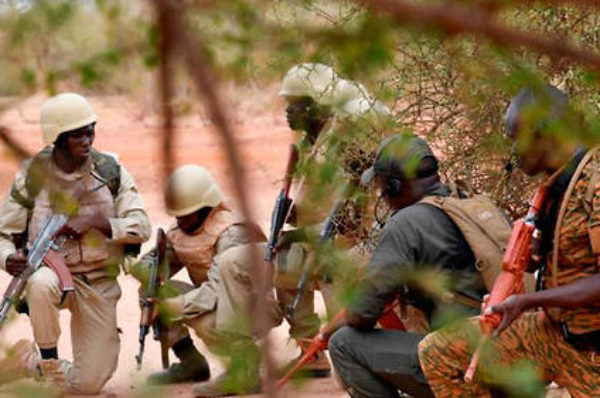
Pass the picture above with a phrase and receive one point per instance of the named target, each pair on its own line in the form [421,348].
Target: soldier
[556,329]
[320,104]
[417,237]
[109,215]
[213,244]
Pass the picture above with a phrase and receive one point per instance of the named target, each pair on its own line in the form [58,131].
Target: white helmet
[191,188]
[316,81]
[347,90]
[65,112]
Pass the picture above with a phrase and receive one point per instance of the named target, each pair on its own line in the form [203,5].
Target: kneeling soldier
[213,244]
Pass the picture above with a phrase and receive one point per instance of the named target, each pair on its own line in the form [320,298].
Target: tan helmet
[316,81]
[65,112]
[191,188]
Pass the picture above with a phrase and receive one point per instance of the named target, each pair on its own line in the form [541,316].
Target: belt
[584,342]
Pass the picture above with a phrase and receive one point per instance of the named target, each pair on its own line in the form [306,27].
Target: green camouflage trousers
[532,342]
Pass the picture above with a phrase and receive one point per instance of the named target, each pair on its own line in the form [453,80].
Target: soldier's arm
[383,277]
[141,269]
[581,293]
[131,224]
[13,219]
[239,234]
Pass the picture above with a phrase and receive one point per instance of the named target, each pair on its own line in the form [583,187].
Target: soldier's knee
[90,381]
[340,344]
[42,286]
[426,344]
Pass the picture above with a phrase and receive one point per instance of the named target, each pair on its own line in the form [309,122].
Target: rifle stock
[150,296]
[510,280]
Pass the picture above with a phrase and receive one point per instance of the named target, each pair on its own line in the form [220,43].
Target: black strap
[548,218]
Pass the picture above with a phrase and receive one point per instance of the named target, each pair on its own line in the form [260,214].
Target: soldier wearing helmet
[212,243]
[107,215]
[557,328]
[314,93]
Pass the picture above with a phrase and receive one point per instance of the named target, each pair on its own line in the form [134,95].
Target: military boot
[53,375]
[225,385]
[21,361]
[317,367]
[188,370]
[242,375]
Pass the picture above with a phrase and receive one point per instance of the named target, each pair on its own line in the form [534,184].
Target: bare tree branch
[171,13]
[455,20]
[166,46]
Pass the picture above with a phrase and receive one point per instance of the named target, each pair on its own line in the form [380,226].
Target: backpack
[485,228]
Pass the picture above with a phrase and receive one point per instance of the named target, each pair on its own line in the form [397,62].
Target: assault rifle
[43,252]
[522,247]
[282,207]
[148,318]
[328,231]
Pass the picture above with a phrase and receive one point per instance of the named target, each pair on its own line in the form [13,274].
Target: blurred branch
[166,46]
[170,13]
[454,20]
[17,149]
[519,3]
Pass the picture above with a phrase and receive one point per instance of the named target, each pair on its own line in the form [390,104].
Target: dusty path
[264,143]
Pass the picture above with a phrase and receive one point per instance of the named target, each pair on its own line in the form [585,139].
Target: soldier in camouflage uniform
[556,329]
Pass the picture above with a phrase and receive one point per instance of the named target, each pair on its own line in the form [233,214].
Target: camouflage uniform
[536,337]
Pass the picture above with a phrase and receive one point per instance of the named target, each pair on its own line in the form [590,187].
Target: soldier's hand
[16,263]
[78,226]
[289,237]
[510,309]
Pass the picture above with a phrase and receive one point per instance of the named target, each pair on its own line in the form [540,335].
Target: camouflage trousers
[531,342]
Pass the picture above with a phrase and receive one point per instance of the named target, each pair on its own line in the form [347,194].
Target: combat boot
[53,375]
[242,376]
[317,367]
[225,385]
[190,369]
[21,361]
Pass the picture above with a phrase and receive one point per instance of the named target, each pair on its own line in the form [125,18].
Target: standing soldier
[556,329]
[213,244]
[108,215]
[318,99]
